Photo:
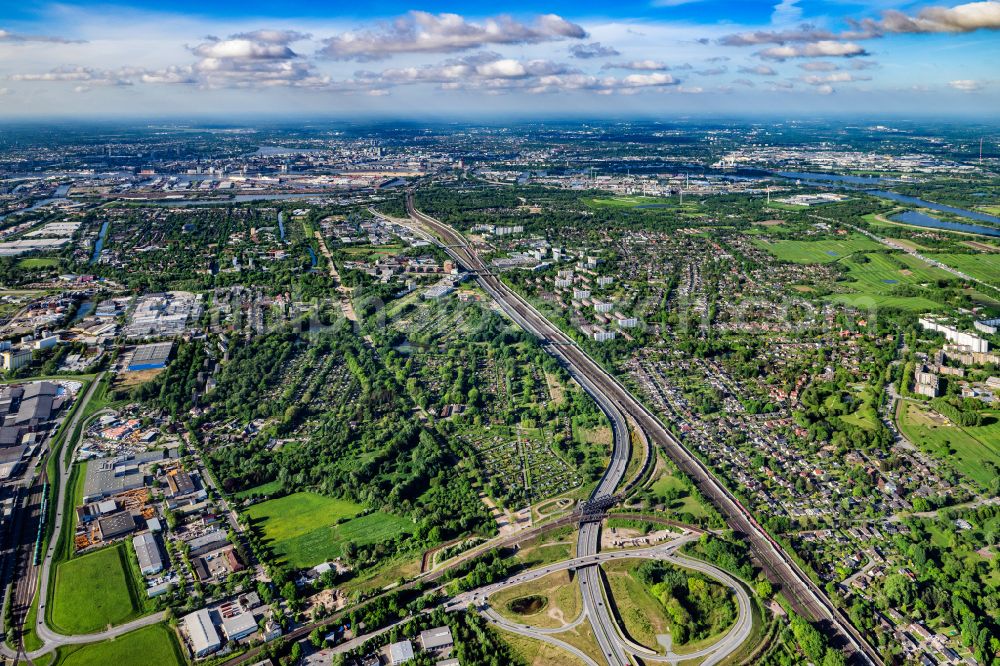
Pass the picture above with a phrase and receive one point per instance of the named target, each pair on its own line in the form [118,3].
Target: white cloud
[759,70]
[825,90]
[966,85]
[72,73]
[639,65]
[804,33]
[786,11]
[423,32]
[819,66]
[837,77]
[593,50]
[968,17]
[243,48]
[822,49]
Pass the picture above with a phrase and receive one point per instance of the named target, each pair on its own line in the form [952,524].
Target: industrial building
[109,476]
[201,632]
[401,652]
[116,525]
[437,638]
[239,626]
[148,553]
[150,357]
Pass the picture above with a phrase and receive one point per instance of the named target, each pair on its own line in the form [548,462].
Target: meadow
[305,529]
[876,274]
[156,644]
[633,201]
[818,251]
[93,591]
[966,448]
[985,267]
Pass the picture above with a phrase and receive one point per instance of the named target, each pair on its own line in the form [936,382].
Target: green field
[985,267]
[93,591]
[303,528]
[876,274]
[966,448]
[155,644]
[686,504]
[628,202]
[38,262]
[262,489]
[818,251]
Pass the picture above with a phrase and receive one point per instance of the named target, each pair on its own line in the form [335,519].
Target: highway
[804,595]
[621,647]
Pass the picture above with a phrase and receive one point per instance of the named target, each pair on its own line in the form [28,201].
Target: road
[804,595]
[622,647]
[50,638]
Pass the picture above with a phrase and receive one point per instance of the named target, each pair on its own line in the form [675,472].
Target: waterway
[84,310]
[312,256]
[911,217]
[919,219]
[239,198]
[281,224]
[99,245]
[833,178]
[902,198]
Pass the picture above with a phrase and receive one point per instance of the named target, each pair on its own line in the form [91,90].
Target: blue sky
[449,59]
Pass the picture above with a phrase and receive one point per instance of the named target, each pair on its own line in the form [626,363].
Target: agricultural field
[156,644]
[966,448]
[985,267]
[93,591]
[305,529]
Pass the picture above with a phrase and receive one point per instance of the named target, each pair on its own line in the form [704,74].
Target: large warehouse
[150,357]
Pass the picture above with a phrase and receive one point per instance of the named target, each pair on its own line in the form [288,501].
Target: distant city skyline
[456,60]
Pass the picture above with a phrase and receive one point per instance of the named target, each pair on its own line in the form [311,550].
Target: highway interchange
[616,401]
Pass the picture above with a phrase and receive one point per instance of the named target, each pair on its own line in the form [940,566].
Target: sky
[462,60]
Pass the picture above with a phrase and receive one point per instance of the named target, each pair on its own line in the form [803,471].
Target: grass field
[262,489]
[38,262]
[985,267]
[641,614]
[562,601]
[818,251]
[537,653]
[876,274]
[628,202]
[150,645]
[92,592]
[687,503]
[966,448]
[303,528]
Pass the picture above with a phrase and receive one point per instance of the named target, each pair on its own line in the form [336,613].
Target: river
[99,245]
[915,217]
[918,219]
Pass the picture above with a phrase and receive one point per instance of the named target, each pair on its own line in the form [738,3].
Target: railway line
[804,595]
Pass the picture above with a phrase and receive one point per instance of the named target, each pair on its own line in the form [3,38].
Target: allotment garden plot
[521,464]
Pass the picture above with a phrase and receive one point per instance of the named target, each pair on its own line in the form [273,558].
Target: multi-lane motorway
[804,595]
